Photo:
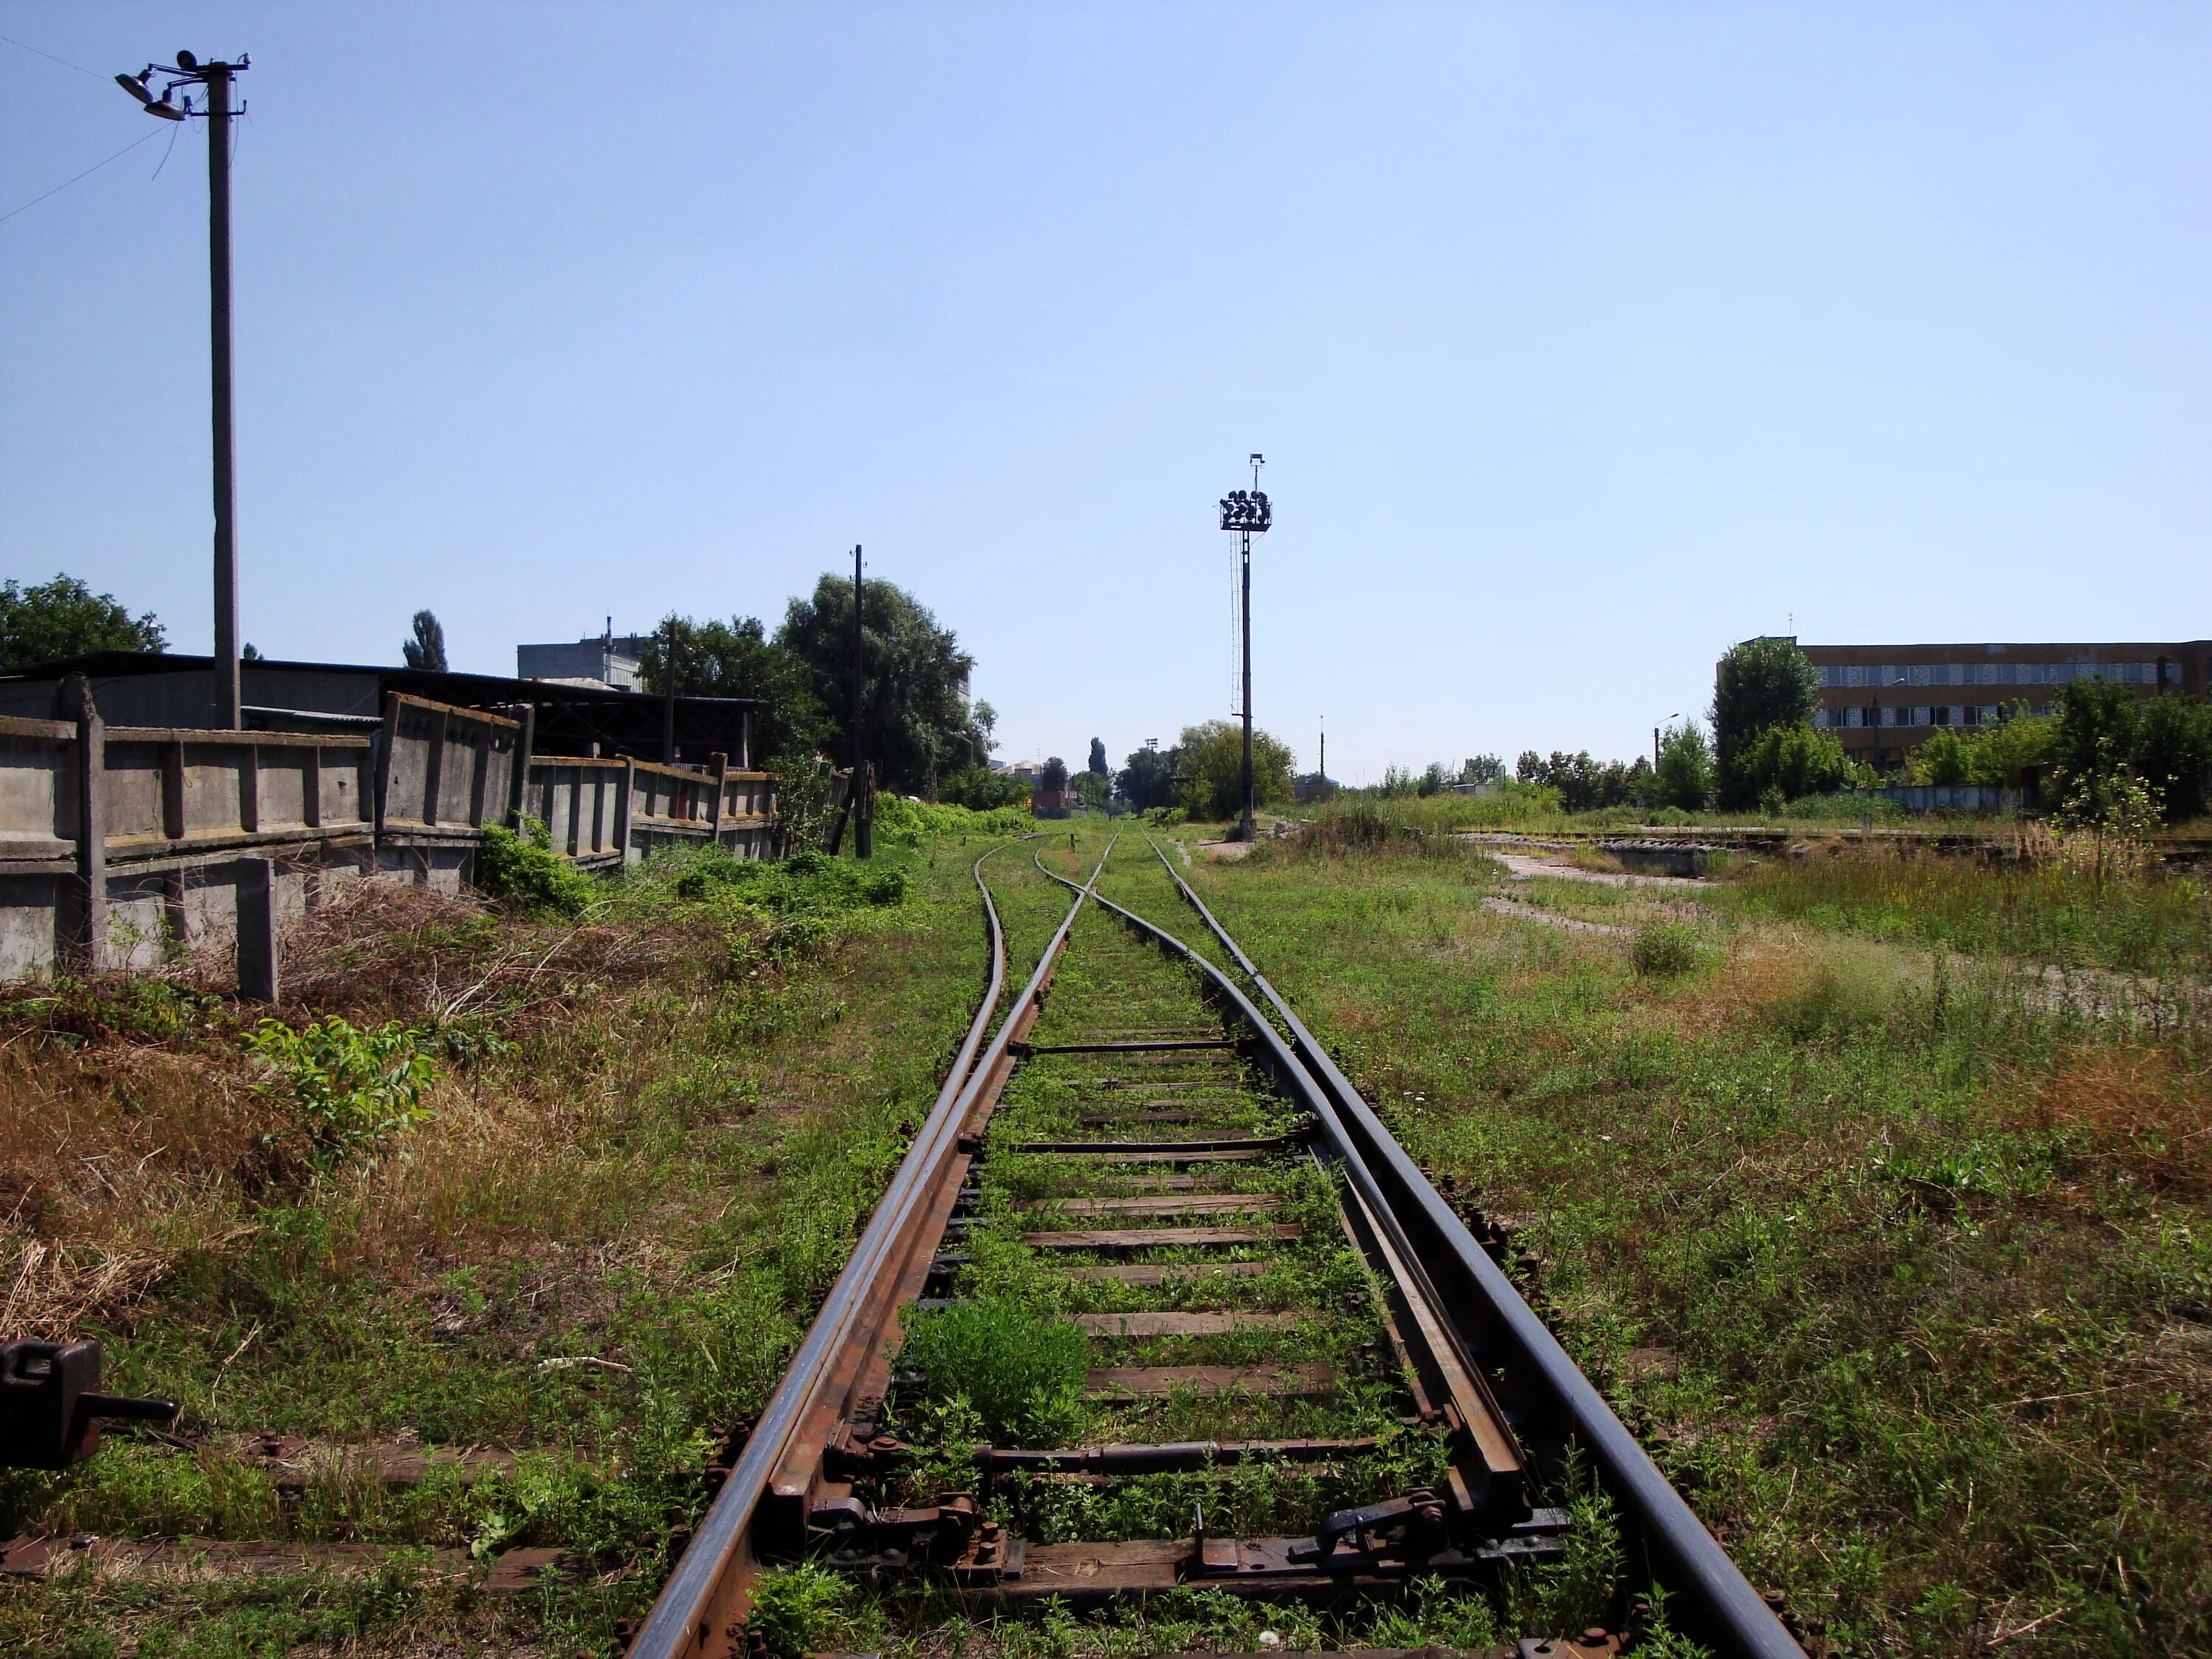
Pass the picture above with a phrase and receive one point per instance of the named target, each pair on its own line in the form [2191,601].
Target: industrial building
[1881,701]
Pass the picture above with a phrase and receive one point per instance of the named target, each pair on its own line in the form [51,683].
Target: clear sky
[1582,340]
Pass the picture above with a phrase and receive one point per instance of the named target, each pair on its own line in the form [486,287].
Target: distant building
[1884,700]
[612,660]
[1312,787]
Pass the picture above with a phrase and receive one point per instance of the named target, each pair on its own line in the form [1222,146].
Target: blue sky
[1580,339]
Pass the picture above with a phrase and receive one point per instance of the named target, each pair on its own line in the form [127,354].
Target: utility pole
[864,812]
[216,78]
[1321,782]
[668,696]
[1246,515]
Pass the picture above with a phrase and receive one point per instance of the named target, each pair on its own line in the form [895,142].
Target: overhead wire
[51,58]
[87,173]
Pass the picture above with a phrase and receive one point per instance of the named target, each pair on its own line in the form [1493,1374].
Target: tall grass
[2146,922]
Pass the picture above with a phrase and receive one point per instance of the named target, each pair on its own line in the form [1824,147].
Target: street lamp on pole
[1248,513]
[215,78]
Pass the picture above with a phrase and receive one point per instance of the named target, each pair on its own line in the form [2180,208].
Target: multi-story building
[612,659]
[1883,699]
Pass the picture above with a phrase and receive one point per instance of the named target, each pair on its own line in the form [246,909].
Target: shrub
[1022,1371]
[523,870]
[349,1091]
[801,1609]
[1664,950]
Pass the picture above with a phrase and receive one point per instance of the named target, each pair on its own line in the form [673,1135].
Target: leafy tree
[1091,789]
[1584,785]
[919,723]
[1761,685]
[736,659]
[2003,755]
[1148,780]
[1684,776]
[1482,768]
[1098,759]
[1433,780]
[983,789]
[1211,758]
[1786,762]
[1054,778]
[1397,782]
[2173,753]
[426,646]
[65,618]
[2164,745]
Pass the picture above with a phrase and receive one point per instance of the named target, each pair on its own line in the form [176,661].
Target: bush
[525,871]
[350,1089]
[1022,1371]
[1665,949]
[1786,762]
[981,790]
[903,822]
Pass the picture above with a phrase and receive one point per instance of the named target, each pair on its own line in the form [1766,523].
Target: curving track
[1306,1376]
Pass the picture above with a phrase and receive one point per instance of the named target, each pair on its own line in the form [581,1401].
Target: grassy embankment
[578,1204]
[1903,1270]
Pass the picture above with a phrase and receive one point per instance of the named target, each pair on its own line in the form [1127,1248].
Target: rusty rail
[700,1612]
[1718,1604]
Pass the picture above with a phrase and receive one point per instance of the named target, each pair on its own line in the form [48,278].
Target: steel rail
[698,1609]
[1721,1606]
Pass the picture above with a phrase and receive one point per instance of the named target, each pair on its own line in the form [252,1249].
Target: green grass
[652,1145]
[2044,913]
[1906,1278]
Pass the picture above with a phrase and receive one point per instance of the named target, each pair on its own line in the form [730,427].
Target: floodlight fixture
[136,86]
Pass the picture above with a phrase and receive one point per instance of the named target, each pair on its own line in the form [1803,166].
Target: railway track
[1155,1302]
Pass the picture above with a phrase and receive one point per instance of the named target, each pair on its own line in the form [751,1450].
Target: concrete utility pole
[215,78]
[1246,515]
[864,826]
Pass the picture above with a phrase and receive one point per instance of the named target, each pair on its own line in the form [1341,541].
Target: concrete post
[518,788]
[88,941]
[625,795]
[721,770]
[257,930]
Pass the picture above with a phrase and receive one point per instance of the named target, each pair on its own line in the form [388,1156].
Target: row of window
[1918,714]
[1837,676]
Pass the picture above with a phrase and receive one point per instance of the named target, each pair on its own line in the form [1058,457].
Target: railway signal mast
[1248,513]
[215,78]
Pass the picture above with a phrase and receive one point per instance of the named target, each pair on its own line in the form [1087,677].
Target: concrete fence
[120,845]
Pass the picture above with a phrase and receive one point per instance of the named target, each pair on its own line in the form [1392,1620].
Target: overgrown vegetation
[1018,1369]
[1897,1262]
[523,870]
[490,1177]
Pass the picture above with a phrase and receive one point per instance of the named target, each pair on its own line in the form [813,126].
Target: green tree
[1482,768]
[1091,789]
[1788,762]
[1761,685]
[983,789]
[1212,763]
[1684,777]
[736,659]
[1098,759]
[425,647]
[2163,744]
[63,618]
[919,723]
[1054,778]
[1148,779]
[2173,753]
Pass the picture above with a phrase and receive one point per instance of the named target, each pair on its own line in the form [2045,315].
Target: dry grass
[2132,1110]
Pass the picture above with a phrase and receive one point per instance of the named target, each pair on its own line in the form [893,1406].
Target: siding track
[1305,1376]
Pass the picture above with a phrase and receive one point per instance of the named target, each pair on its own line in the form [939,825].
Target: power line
[51,58]
[87,173]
